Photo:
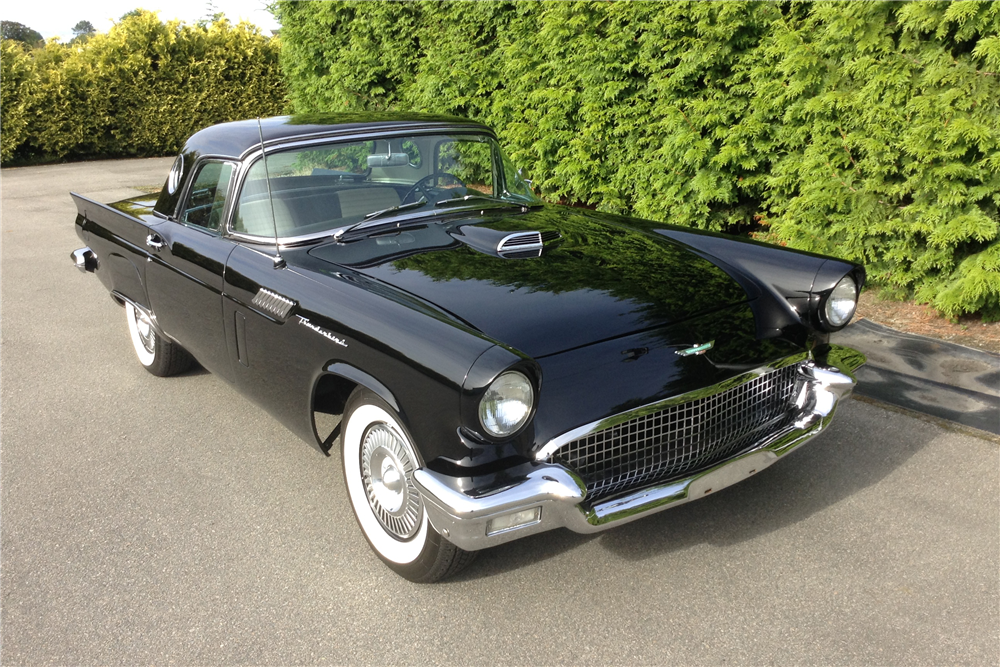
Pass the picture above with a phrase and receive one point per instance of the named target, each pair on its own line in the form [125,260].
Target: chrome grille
[681,438]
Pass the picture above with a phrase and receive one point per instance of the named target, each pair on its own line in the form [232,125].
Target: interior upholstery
[298,209]
[358,201]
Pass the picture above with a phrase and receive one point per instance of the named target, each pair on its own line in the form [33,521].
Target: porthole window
[174,179]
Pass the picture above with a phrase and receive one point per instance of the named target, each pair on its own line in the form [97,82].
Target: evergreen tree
[20,33]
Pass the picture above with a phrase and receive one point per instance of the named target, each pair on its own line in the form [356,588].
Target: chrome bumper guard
[464,519]
[84,259]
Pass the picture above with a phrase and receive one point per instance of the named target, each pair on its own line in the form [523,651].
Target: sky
[56,18]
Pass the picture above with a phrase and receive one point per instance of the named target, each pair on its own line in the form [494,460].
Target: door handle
[154,241]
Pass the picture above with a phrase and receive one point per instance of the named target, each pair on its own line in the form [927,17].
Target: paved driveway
[160,521]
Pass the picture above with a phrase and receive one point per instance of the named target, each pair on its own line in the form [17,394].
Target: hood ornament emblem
[696,350]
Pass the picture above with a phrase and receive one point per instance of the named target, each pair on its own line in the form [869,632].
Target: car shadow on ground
[195,370]
[857,451]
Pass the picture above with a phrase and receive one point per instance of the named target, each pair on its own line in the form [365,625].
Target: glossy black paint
[184,281]
[599,280]
[117,235]
[428,316]
[420,356]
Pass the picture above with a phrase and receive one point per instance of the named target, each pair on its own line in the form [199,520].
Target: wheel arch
[121,300]
[330,392]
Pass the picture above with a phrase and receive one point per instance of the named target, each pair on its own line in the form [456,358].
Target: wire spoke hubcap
[386,472]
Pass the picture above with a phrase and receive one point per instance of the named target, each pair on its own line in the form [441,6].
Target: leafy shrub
[866,130]
[887,147]
[16,78]
[144,86]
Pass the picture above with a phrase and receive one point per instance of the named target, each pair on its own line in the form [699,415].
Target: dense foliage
[19,32]
[139,89]
[17,71]
[866,130]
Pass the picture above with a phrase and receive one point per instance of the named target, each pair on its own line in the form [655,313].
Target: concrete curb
[934,377]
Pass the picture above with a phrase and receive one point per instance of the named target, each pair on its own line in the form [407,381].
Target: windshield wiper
[374,214]
[401,207]
[475,198]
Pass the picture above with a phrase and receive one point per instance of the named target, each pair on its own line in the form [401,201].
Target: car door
[185,275]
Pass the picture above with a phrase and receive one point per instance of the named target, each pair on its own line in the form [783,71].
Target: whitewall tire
[379,460]
[158,355]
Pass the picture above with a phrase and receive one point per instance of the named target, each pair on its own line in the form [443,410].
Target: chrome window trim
[357,134]
[283,241]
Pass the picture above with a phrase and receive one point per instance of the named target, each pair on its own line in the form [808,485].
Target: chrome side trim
[273,303]
[462,514]
[582,431]
[84,259]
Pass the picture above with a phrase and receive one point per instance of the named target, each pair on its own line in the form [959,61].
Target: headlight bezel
[525,418]
[829,323]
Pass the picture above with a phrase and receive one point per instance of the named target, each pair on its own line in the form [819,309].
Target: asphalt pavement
[169,521]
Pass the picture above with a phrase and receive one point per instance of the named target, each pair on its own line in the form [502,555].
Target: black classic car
[502,366]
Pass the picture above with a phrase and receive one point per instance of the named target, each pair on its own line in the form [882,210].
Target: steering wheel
[421,185]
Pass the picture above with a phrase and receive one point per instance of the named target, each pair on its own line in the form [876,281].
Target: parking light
[520,519]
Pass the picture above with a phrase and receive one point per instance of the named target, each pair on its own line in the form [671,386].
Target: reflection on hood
[597,278]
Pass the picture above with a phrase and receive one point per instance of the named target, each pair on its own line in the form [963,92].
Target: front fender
[366,380]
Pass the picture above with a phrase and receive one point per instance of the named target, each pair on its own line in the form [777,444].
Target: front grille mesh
[681,438]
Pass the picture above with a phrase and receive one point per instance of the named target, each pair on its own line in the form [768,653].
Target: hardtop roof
[236,138]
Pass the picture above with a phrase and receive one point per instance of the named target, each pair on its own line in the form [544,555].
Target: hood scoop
[508,245]
[522,243]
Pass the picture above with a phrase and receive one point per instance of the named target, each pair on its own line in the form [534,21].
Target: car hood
[597,277]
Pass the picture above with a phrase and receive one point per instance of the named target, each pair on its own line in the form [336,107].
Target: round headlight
[840,305]
[506,405]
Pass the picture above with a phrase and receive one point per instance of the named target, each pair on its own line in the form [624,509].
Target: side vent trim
[520,241]
[273,304]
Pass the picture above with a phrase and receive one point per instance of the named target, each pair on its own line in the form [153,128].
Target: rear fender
[119,241]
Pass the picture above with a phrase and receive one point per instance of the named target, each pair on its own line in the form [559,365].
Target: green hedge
[865,130]
[17,72]
[139,89]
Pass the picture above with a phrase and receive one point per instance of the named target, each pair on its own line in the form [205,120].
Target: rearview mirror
[390,160]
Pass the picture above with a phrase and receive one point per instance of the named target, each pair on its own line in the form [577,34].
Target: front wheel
[379,460]
[158,355]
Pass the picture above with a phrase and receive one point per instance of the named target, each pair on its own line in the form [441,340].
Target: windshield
[324,188]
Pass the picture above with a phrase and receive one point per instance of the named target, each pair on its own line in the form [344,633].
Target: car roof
[236,138]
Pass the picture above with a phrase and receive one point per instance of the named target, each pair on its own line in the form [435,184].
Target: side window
[207,197]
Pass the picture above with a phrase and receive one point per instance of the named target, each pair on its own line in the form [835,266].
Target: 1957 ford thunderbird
[502,366]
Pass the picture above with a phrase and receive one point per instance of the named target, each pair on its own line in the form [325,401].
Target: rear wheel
[379,460]
[158,355]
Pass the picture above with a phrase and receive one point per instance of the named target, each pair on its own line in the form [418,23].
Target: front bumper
[464,517]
